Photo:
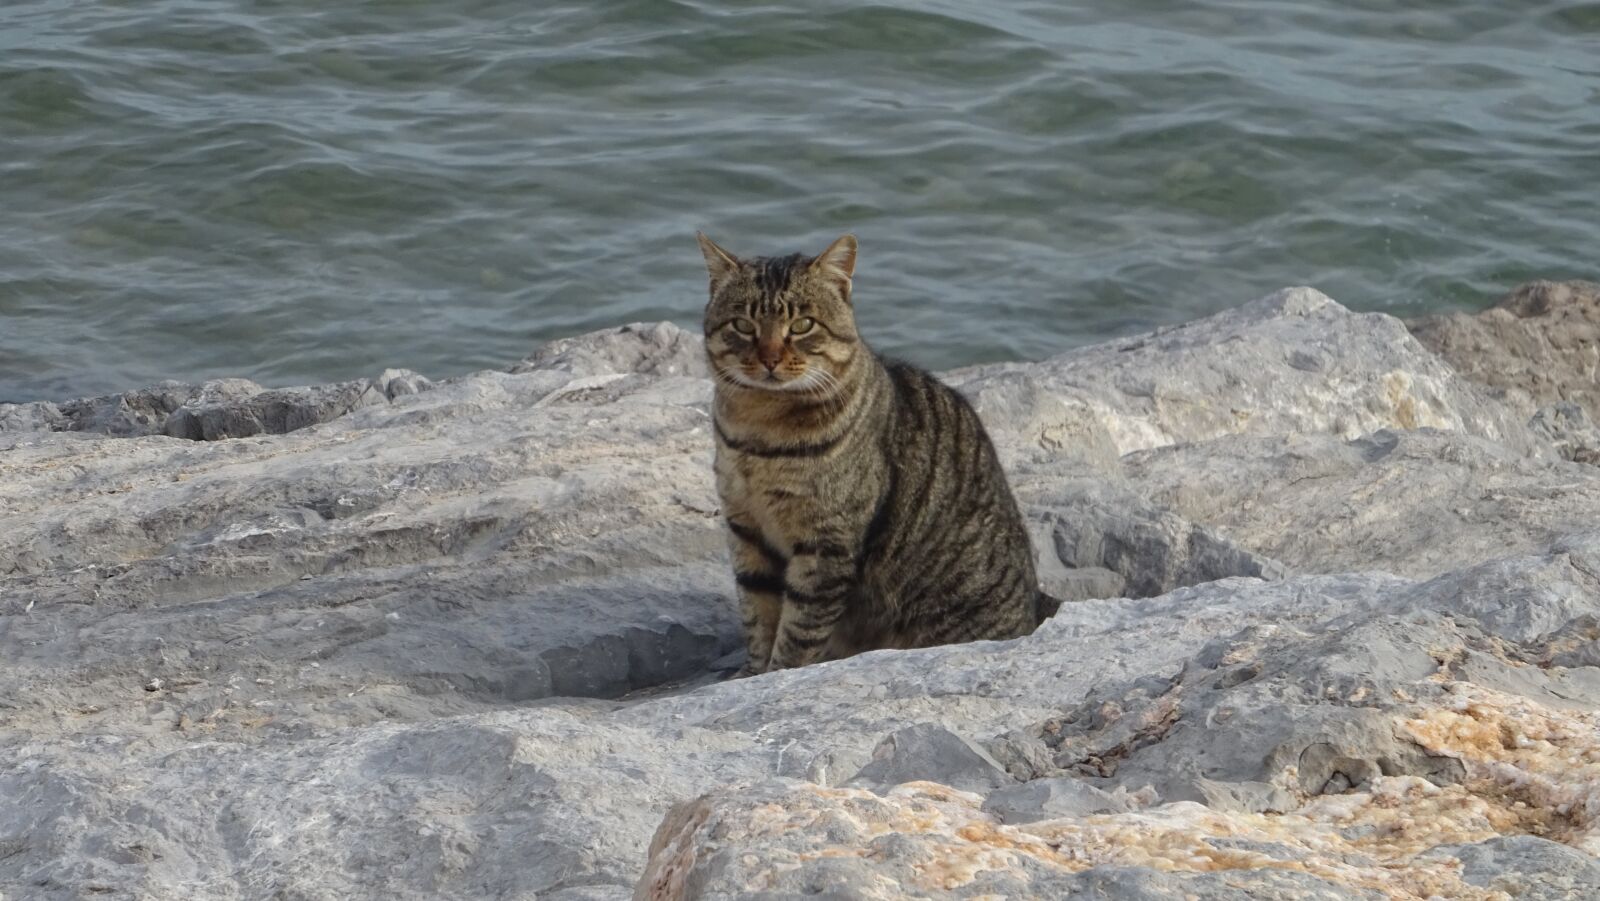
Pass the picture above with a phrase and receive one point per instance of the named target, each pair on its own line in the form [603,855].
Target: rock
[780,840]
[490,554]
[1097,528]
[210,411]
[655,349]
[1412,502]
[930,753]
[462,641]
[1525,599]
[1569,430]
[1370,725]
[1527,867]
[218,412]
[40,416]
[1538,346]
[1293,699]
[1243,796]
[399,382]
[1292,363]
[1029,422]
[132,414]
[1049,799]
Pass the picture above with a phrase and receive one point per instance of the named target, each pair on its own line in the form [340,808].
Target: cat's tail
[1045,606]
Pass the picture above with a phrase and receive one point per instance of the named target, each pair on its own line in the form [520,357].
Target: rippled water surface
[299,191]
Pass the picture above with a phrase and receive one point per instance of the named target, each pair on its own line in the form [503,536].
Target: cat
[864,502]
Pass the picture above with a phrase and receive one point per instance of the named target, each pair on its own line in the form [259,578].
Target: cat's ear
[838,262]
[721,264]
[839,258]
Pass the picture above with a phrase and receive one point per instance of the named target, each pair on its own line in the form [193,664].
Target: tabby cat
[864,502]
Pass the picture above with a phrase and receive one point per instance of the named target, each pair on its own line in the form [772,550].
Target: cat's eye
[801,326]
[744,326]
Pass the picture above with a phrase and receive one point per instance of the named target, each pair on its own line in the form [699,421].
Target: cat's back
[941,451]
[932,416]
[954,557]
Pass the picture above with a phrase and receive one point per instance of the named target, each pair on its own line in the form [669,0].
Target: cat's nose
[770,355]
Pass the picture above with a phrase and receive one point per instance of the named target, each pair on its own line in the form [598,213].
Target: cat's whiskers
[810,384]
[826,387]
[731,376]
[840,398]
[815,382]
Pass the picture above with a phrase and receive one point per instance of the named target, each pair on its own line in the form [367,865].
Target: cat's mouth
[771,381]
[776,381]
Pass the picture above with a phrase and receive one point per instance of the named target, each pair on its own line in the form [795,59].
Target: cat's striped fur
[864,502]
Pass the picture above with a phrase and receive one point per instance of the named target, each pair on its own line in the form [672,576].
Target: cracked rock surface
[1334,631]
[1538,350]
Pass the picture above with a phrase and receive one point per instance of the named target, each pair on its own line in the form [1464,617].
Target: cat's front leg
[818,584]
[758,571]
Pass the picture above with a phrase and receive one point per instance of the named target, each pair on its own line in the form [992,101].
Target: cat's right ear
[838,264]
[720,264]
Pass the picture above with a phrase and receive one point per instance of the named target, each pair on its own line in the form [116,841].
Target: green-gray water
[298,191]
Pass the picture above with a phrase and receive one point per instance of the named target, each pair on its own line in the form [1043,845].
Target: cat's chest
[783,491]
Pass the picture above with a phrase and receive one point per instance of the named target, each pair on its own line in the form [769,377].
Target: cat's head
[781,323]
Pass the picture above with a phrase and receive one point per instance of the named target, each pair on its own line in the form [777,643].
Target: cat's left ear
[838,262]
[720,264]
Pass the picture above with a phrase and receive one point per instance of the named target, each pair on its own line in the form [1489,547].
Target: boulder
[1051,799]
[209,411]
[1357,735]
[1538,346]
[1527,867]
[1334,618]
[1292,363]
[659,348]
[1415,502]
[927,752]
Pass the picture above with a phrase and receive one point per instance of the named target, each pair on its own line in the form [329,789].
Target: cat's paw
[746,671]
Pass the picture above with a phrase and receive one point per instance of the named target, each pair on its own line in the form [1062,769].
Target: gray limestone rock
[659,348]
[1030,423]
[39,416]
[1527,867]
[210,411]
[1273,698]
[398,382]
[1048,799]
[1524,599]
[459,639]
[1416,502]
[1097,527]
[931,753]
[1321,707]
[1242,796]
[218,413]
[1292,363]
[1569,430]
[131,414]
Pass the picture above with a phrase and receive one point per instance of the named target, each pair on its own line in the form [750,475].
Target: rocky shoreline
[1335,634]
